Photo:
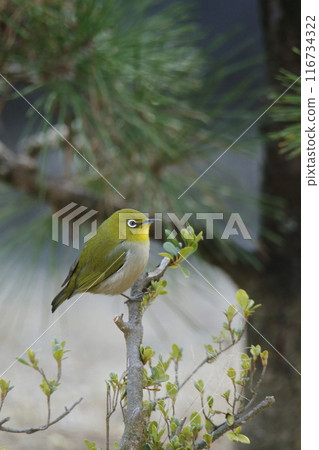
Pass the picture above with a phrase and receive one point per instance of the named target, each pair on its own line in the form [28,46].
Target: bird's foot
[134,298]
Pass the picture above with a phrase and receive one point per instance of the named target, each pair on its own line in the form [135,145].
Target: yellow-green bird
[112,260]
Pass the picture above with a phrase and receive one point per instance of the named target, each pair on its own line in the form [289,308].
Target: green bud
[226,395]
[4,388]
[208,438]
[255,351]
[230,313]
[171,390]
[230,419]
[146,354]
[242,298]
[45,388]
[195,419]
[177,353]
[209,426]
[210,401]
[199,385]
[245,362]
[264,358]
[231,373]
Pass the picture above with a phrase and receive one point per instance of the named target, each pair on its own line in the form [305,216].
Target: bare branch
[6,419]
[41,428]
[119,322]
[109,411]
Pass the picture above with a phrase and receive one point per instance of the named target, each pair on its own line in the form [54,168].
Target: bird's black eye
[131,223]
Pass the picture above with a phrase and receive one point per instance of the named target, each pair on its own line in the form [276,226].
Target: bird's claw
[134,298]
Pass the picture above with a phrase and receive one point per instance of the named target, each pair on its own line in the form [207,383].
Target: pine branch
[22,172]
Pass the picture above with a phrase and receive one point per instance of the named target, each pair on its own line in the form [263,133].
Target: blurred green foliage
[127,85]
[128,82]
[286,113]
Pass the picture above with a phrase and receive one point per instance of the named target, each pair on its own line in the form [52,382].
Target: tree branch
[134,418]
[41,428]
[23,173]
[141,285]
[224,427]
[133,436]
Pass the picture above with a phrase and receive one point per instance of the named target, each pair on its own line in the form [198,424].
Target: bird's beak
[149,221]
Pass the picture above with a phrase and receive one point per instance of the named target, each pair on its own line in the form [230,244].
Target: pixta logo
[70,218]
[70,224]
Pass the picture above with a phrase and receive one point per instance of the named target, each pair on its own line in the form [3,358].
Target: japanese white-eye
[112,260]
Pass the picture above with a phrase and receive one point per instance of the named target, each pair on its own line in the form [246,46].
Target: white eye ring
[131,223]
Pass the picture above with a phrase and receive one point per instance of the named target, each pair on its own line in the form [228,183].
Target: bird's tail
[59,299]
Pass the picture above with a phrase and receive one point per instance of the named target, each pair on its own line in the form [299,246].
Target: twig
[176,374]
[254,392]
[210,358]
[1,403]
[180,426]
[49,408]
[222,429]
[108,415]
[41,428]
[203,408]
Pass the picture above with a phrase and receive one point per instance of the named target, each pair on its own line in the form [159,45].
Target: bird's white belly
[125,277]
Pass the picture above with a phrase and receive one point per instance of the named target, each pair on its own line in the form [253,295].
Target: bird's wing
[98,268]
[71,271]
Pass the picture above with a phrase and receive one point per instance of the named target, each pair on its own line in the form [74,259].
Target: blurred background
[143,97]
